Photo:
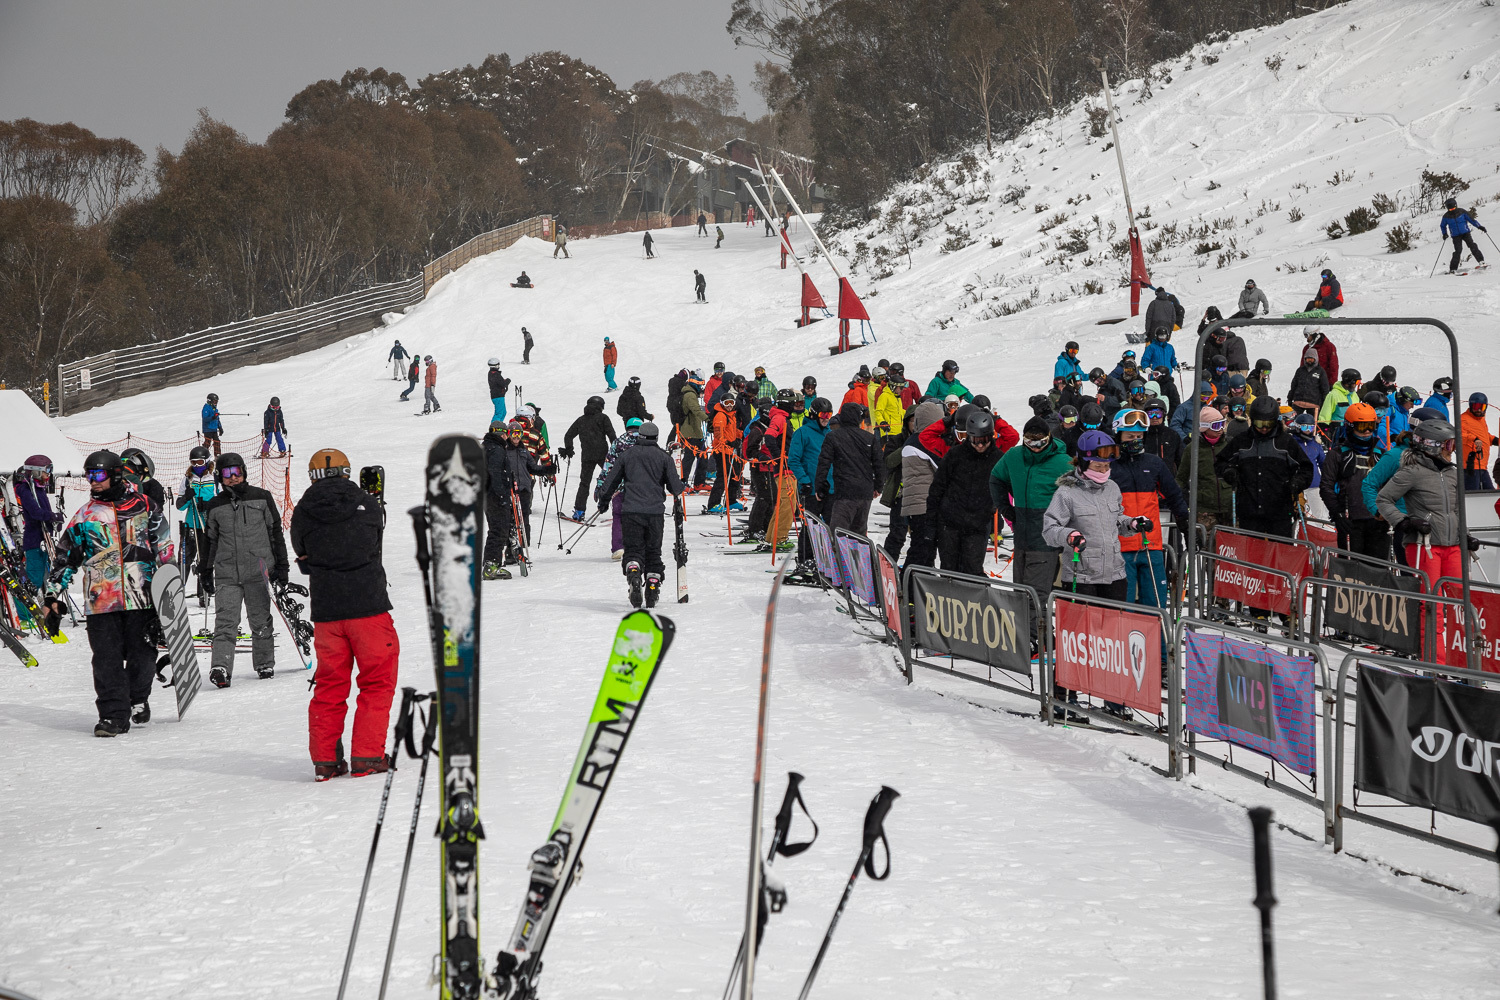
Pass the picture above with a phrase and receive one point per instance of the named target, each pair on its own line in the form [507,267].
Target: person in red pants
[336,536]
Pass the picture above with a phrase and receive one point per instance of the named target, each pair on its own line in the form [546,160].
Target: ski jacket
[1166,311]
[1377,477]
[942,388]
[631,404]
[700,283]
[1439,402]
[1252,299]
[937,438]
[1165,443]
[511,466]
[1328,355]
[1145,481]
[1159,355]
[336,536]
[499,384]
[1336,402]
[1456,222]
[611,353]
[211,424]
[1215,496]
[622,444]
[726,431]
[414,370]
[693,417]
[1430,491]
[1234,351]
[273,420]
[1267,473]
[641,474]
[1391,422]
[803,451]
[711,388]
[118,540]
[1476,436]
[765,391]
[1309,385]
[906,392]
[430,381]
[526,338]
[561,238]
[675,385]
[398,353]
[1065,366]
[960,490]
[193,496]
[918,462]
[1021,487]
[1096,511]
[37,515]
[853,457]
[646,240]
[1183,418]
[885,409]
[859,393]
[153,490]
[245,543]
[1344,469]
[1313,449]
[1329,293]
[594,431]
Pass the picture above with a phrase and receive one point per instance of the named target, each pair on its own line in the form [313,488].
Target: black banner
[1392,622]
[1246,701]
[1429,743]
[973,621]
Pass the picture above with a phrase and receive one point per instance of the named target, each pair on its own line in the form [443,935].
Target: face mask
[1133,447]
[1212,437]
[1098,477]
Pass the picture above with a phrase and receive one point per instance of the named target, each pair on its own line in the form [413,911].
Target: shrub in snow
[1399,239]
[1361,220]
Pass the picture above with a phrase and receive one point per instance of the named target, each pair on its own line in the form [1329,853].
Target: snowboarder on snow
[336,536]
[1330,295]
[398,354]
[273,424]
[646,242]
[611,358]
[524,280]
[719,231]
[642,474]
[499,386]
[246,549]
[1251,299]
[430,402]
[413,372]
[1456,224]
[700,285]
[213,429]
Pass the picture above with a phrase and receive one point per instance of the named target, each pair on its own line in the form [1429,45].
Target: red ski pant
[372,642]
[1436,563]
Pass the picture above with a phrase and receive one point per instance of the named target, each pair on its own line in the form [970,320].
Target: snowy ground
[198,858]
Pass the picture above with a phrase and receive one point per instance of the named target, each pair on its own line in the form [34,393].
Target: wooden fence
[128,371]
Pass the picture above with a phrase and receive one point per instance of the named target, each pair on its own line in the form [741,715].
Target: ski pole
[429,733]
[874,830]
[1260,823]
[586,526]
[1441,247]
[403,727]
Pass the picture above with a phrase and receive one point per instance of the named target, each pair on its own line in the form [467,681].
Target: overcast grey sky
[141,68]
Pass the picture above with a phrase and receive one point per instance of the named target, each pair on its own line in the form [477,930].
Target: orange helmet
[1360,413]
[328,463]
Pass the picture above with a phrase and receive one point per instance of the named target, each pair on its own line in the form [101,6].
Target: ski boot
[108,727]
[653,589]
[140,714]
[580,516]
[219,677]
[494,571]
[324,771]
[265,673]
[633,576]
[750,536]
[616,554]
[715,509]
[737,507]
[359,767]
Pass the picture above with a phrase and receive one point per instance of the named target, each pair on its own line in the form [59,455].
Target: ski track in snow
[195,859]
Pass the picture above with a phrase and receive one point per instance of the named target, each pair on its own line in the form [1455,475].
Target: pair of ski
[450,541]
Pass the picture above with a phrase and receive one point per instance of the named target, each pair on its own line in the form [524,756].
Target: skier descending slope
[642,473]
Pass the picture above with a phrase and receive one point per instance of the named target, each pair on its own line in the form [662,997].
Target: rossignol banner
[823,554]
[890,594]
[859,566]
[1428,742]
[1486,604]
[973,621]
[1110,653]
[1393,622]
[1266,591]
[1252,696]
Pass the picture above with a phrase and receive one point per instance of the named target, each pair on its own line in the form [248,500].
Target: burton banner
[973,621]
[1392,622]
[1266,591]
[1251,696]
[1428,742]
[1110,653]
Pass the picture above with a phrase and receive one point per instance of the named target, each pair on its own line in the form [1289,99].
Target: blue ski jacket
[1377,477]
[211,423]
[1159,355]
[1456,222]
[1066,366]
[803,451]
[1439,402]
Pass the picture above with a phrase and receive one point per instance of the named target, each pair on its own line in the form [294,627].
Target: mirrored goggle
[1036,443]
[1129,354]
[98,475]
[1263,425]
[1363,427]
[1069,421]
[1104,453]
[1215,425]
[232,470]
[1155,416]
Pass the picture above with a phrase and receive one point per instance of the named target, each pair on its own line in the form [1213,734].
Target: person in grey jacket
[642,473]
[918,465]
[248,553]
[1252,298]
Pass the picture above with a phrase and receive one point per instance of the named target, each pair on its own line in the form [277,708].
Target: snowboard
[640,644]
[514,285]
[290,611]
[450,538]
[1308,314]
[169,599]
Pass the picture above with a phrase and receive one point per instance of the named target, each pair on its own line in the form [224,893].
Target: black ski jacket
[1165,444]
[336,531]
[1267,473]
[499,384]
[643,471]
[594,430]
[853,457]
[1309,385]
[960,490]
[511,466]
[632,404]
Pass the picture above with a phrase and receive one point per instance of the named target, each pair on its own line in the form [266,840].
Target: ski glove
[1474,544]
[1417,525]
[1142,525]
[565,452]
[1077,541]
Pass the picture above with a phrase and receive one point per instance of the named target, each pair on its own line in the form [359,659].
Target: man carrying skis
[595,433]
[511,468]
[611,358]
[336,535]
[248,555]
[642,473]
[398,354]
[118,538]
[1456,224]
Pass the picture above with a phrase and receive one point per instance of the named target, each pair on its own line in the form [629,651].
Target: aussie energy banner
[1428,742]
[1113,654]
[1254,588]
[973,621]
[1252,696]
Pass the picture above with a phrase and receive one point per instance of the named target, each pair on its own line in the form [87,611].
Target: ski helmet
[231,461]
[1305,425]
[896,369]
[198,456]
[1071,347]
[1433,438]
[596,401]
[494,362]
[863,374]
[35,467]
[1130,420]
[1161,334]
[1408,394]
[785,398]
[821,405]
[138,464]
[1350,378]
[1095,446]
[879,374]
[1377,400]
[961,417]
[328,463]
[1442,386]
[1450,202]
[808,382]
[634,423]
[980,428]
[1265,415]
[213,397]
[983,402]
[648,431]
[1091,416]
[1360,418]
[1068,415]
[718,368]
[106,462]
[1388,374]
[950,366]
[1096,374]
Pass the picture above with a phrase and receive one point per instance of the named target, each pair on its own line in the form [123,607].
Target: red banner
[1265,591]
[1110,653]
[1486,605]
[890,593]
[1319,535]
[1138,275]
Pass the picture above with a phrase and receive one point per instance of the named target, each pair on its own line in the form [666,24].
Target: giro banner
[1428,742]
[1265,591]
[1486,604]
[1392,622]
[823,554]
[1110,653]
[967,619]
[890,594]
[859,566]
[1252,696]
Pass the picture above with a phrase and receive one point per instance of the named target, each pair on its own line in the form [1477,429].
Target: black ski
[450,538]
[680,551]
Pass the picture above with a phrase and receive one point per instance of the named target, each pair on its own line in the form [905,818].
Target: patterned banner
[1252,696]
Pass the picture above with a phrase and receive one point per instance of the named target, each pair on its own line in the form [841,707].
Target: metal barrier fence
[127,371]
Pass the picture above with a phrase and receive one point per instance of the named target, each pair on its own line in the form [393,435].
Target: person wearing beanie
[1215,496]
[642,475]
[1021,485]
[1309,384]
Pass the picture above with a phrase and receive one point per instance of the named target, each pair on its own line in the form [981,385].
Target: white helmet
[494,362]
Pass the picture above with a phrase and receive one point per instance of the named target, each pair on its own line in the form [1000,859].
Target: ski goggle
[1133,420]
[1155,416]
[982,439]
[1137,390]
[98,475]
[1128,354]
[1478,408]
[823,418]
[1263,425]
[1069,421]
[1037,443]
[1217,426]
[1363,427]
[37,470]
[232,470]
[1104,453]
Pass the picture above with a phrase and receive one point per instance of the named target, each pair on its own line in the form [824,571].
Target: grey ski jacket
[1430,493]
[244,536]
[1097,511]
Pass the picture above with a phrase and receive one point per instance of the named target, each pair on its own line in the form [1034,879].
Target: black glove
[182,502]
[565,452]
[279,576]
[1077,541]
[1474,544]
[1416,525]
[1142,525]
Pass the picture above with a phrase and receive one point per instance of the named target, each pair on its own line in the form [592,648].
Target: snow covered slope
[198,858]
